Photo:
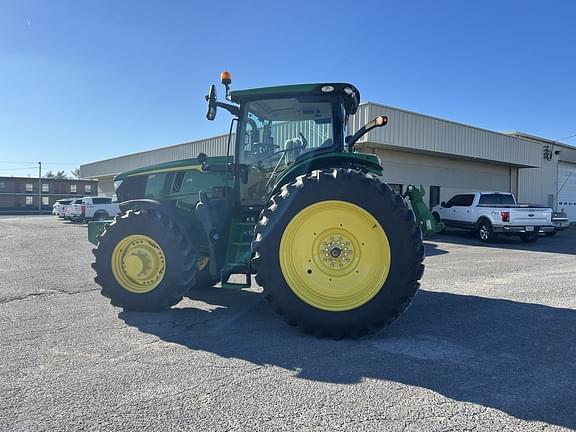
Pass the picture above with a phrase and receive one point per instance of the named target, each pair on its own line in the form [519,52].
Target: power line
[565,138]
[18,169]
[43,163]
[15,162]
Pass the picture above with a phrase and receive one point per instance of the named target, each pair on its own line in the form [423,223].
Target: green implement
[426,221]
[95,229]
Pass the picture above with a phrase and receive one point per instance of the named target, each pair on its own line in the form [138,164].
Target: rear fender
[361,161]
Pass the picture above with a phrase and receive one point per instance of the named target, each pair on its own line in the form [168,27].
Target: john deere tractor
[336,251]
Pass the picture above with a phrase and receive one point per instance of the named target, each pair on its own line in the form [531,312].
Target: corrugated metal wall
[428,134]
[215,146]
[316,134]
[538,185]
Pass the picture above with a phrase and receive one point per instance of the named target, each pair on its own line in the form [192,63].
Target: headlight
[117,184]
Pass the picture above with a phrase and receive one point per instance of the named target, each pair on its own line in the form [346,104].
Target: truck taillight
[83,209]
[505,216]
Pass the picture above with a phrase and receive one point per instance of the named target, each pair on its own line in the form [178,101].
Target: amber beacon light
[226,78]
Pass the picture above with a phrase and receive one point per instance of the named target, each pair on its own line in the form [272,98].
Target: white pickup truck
[493,213]
[94,208]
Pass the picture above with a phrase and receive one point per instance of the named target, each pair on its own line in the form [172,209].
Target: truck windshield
[275,133]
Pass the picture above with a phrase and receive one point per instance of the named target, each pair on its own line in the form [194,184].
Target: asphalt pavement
[488,344]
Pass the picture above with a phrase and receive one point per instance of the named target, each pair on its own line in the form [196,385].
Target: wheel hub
[138,263]
[336,251]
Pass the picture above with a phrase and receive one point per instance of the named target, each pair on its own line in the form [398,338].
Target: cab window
[464,200]
[155,185]
[276,132]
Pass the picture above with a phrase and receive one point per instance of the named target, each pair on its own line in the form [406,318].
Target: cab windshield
[275,133]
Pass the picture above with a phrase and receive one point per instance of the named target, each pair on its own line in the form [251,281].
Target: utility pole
[39,187]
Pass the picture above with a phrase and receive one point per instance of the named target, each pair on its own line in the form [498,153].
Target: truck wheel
[100,216]
[485,232]
[437,218]
[144,261]
[338,254]
[528,237]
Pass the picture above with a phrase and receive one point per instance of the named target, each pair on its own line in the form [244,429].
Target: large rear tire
[338,253]
[145,261]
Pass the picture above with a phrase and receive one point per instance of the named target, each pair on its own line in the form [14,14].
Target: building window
[29,187]
[45,201]
[45,187]
[396,187]
[72,188]
[88,188]
[2,185]
[434,196]
[29,200]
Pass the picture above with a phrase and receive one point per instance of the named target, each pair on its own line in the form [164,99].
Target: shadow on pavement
[432,249]
[563,242]
[515,357]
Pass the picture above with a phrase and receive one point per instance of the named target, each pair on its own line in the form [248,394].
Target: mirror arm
[377,122]
[232,109]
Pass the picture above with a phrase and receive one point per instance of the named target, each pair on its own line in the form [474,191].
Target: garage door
[452,176]
[567,189]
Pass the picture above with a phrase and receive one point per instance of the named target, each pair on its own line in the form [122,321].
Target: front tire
[145,261]
[338,254]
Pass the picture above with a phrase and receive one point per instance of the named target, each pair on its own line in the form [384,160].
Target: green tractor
[336,251]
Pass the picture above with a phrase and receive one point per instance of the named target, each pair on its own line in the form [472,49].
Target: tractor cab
[281,127]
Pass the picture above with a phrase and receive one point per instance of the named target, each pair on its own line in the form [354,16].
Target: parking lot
[488,344]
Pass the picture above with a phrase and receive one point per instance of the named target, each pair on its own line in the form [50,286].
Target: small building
[22,195]
[445,157]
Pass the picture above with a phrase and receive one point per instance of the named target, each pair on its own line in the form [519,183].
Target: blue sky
[87,80]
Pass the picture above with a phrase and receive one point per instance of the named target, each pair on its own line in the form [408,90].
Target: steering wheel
[304,140]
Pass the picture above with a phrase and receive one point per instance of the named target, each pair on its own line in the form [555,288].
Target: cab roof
[349,94]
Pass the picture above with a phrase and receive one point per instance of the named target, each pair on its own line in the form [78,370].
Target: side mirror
[443,204]
[212,105]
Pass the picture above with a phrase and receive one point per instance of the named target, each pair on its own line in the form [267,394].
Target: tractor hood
[347,92]
[180,165]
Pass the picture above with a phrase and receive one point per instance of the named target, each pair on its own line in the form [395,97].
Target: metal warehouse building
[443,156]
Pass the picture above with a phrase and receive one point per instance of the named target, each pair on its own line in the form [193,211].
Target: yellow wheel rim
[138,263]
[334,255]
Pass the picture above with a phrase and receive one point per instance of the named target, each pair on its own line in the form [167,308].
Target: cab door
[465,212]
[448,212]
